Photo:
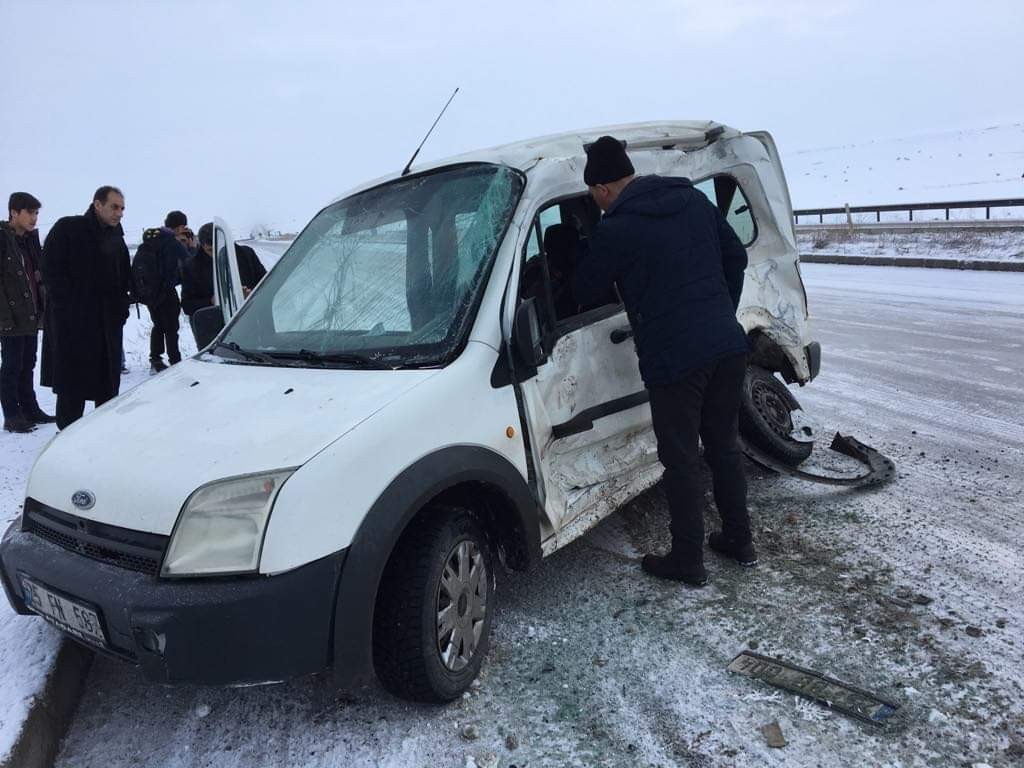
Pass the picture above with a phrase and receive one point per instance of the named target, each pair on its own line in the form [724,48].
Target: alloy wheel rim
[461,605]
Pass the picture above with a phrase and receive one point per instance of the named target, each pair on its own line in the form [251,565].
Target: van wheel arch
[767,353]
[471,476]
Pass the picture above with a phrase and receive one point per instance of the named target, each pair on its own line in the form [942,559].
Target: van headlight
[220,528]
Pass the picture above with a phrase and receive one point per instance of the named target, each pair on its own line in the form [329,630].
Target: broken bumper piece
[878,469]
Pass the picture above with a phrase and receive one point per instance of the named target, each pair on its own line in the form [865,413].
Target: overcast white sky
[261,112]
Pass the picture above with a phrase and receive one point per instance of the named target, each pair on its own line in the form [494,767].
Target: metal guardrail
[878,210]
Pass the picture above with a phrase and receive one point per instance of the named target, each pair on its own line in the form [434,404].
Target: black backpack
[146,271]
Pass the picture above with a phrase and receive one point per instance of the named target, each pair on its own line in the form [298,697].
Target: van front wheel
[434,608]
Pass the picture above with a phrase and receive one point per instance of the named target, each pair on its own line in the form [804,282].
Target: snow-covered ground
[1005,244]
[594,664]
[968,164]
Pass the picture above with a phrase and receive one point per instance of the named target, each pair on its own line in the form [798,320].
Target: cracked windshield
[390,277]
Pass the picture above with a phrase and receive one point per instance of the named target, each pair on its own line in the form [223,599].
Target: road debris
[470,732]
[511,742]
[773,734]
[834,694]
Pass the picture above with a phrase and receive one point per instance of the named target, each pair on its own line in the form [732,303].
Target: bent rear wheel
[765,416]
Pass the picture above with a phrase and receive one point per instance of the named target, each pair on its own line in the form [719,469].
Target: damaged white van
[401,407]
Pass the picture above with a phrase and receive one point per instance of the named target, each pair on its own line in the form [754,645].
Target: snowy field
[1002,244]
[913,591]
[968,164]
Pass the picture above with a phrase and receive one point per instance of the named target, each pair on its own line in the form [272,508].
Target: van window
[393,273]
[551,261]
[725,192]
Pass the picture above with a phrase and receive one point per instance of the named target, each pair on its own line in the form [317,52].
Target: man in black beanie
[679,267]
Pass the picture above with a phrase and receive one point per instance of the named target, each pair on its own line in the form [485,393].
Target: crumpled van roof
[684,134]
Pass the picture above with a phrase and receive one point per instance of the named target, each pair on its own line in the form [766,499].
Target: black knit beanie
[175,219]
[607,161]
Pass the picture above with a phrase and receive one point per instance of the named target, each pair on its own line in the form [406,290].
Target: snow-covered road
[592,663]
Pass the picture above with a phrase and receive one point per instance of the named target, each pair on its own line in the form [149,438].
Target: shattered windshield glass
[389,277]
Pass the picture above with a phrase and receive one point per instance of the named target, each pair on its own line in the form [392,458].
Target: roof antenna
[408,165]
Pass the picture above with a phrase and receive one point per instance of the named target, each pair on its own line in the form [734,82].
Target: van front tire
[434,608]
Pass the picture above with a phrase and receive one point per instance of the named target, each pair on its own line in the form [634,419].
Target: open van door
[227,284]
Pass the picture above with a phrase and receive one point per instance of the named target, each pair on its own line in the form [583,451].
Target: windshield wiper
[248,354]
[322,358]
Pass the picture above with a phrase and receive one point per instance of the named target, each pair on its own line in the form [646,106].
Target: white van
[401,405]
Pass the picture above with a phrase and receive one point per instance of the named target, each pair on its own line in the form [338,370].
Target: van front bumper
[210,631]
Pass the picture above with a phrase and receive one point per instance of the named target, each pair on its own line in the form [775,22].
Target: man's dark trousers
[17,363]
[706,404]
[165,327]
[70,409]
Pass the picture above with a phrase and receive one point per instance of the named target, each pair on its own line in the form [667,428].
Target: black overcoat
[87,273]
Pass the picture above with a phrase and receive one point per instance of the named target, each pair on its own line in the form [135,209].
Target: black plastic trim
[584,420]
[206,631]
[583,319]
[384,524]
[620,335]
[123,547]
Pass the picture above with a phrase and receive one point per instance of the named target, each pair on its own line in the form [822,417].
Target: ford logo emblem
[83,499]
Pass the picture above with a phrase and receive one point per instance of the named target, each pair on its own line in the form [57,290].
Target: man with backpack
[156,270]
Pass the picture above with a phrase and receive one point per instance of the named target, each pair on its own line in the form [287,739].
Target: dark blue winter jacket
[679,267]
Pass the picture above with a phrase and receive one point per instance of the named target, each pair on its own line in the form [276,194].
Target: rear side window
[726,193]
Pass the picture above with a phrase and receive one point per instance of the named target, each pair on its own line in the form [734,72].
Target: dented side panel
[585,476]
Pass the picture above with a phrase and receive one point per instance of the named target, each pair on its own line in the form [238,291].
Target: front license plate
[69,615]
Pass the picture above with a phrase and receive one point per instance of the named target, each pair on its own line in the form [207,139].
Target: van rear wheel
[434,608]
[765,420]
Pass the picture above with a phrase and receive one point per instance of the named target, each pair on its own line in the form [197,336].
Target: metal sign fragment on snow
[834,694]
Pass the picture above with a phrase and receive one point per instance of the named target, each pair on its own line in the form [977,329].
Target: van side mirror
[206,324]
[526,335]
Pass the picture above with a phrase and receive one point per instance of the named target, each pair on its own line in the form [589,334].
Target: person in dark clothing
[679,267]
[197,277]
[21,314]
[250,268]
[176,221]
[165,255]
[188,239]
[87,275]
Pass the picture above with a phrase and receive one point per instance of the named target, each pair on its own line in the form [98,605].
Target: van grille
[125,548]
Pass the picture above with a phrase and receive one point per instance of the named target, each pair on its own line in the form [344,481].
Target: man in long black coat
[679,267]
[87,273]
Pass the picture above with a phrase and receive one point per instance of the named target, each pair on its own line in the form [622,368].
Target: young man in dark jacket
[87,274]
[21,314]
[160,258]
[197,277]
[679,267]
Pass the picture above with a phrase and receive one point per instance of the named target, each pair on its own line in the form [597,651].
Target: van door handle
[619,335]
